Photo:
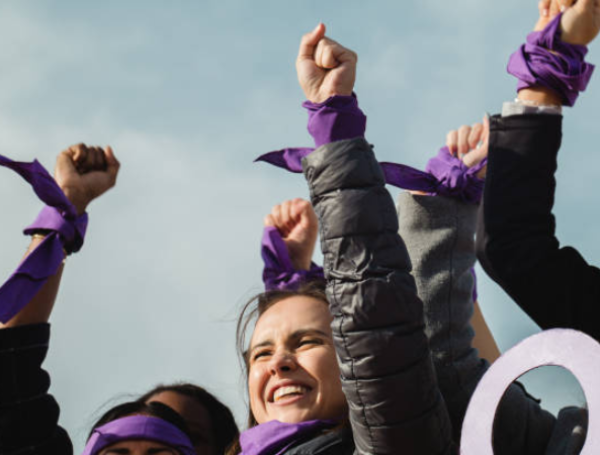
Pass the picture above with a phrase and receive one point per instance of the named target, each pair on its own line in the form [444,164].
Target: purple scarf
[279,273]
[547,61]
[141,428]
[274,438]
[445,175]
[66,230]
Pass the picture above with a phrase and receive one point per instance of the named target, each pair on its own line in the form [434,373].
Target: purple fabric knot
[546,61]
[278,272]
[71,229]
[66,229]
[275,438]
[445,175]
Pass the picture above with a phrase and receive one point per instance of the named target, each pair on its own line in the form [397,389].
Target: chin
[294,416]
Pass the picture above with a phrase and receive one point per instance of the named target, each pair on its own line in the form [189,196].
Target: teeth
[289,390]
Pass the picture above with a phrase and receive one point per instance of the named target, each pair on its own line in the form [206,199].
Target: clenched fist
[84,173]
[325,68]
[297,223]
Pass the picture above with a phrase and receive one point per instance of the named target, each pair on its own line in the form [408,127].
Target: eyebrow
[295,335]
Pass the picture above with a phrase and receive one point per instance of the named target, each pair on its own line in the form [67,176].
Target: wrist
[79,201]
[541,96]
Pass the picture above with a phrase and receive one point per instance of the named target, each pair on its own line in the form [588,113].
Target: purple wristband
[544,60]
[66,230]
[278,272]
[336,119]
[138,427]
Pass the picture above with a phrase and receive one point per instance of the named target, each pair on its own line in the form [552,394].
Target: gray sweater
[439,235]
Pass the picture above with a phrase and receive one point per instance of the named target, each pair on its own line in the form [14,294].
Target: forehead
[291,315]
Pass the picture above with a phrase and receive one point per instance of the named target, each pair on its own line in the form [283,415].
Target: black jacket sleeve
[516,240]
[387,374]
[28,414]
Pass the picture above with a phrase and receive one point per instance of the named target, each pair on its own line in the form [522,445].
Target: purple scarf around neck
[274,437]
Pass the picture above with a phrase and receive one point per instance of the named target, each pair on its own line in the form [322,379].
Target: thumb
[269,221]
[309,42]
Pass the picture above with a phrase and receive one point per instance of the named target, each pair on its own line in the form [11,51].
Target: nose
[282,362]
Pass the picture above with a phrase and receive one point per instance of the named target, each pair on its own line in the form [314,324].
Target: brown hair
[251,312]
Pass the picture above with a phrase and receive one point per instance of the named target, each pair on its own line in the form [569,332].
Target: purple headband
[279,273]
[547,61]
[445,175]
[67,230]
[139,427]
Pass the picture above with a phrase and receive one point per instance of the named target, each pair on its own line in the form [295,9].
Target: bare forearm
[484,341]
[39,308]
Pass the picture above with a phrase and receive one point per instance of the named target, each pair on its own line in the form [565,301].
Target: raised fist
[470,144]
[325,68]
[297,223]
[84,173]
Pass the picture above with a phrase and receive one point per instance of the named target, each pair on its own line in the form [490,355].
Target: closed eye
[310,341]
[260,354]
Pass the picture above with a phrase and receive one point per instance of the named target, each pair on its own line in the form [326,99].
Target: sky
[188,93]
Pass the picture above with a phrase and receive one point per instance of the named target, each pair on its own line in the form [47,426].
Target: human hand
[549,9]
[84,173]
[325,68]
[470,144]
[297,223]
[580,23]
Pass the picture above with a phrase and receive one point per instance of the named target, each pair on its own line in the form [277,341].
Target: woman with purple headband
[175,419]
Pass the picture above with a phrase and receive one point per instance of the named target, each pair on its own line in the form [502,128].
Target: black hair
[224,428]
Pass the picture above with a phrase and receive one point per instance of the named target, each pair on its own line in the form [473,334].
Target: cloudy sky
[188,93]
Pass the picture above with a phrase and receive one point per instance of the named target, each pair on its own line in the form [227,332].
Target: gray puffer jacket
[395,406]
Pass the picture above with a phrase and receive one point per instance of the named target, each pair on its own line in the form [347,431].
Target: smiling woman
[292,371]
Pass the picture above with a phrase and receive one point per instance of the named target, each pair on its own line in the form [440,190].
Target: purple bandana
[67,230]
[279,273]
[445,175]
[274,438]
[547,61]
[140,428]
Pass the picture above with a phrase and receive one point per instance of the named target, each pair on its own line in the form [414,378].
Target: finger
[564,4]
[95,160]
[475,135]
[452,142]
[309,41]
[544,7]
[269,221]
[286,217]
[302,211]
[112,164]
[485,137]
[78,153]
[325,56]
[554,8]
[463,137]
[276,214]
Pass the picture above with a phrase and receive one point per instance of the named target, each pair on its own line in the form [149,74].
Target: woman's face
[293,371]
